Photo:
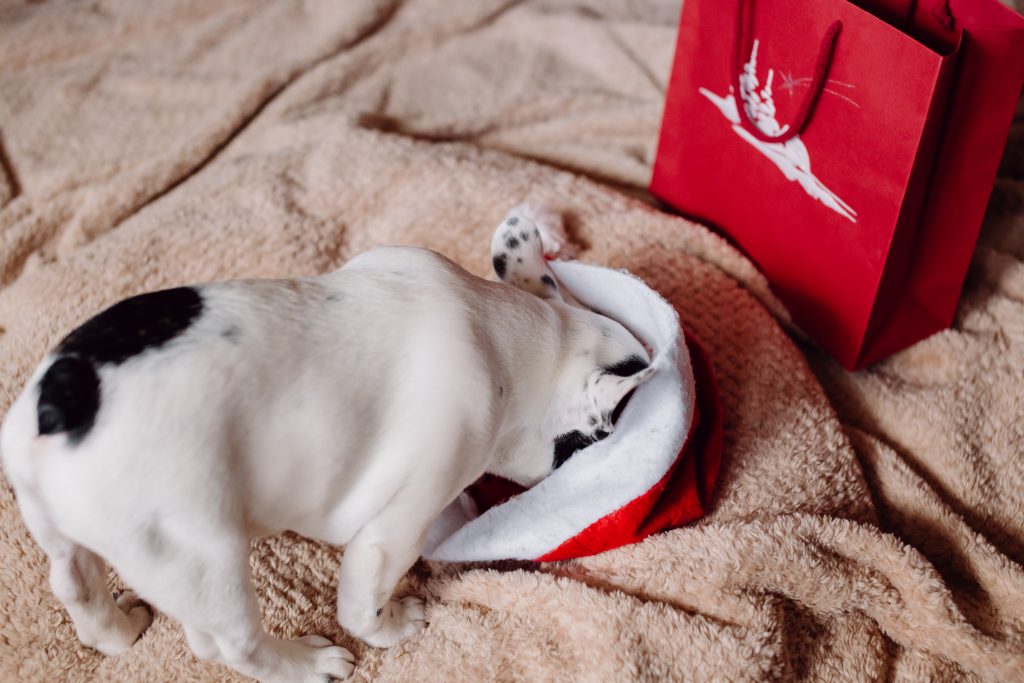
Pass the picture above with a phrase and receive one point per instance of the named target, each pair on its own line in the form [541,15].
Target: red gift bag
[849,149]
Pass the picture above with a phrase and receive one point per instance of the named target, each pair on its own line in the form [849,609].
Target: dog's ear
[608,386]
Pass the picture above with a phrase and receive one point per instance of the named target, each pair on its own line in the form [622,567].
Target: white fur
[351,407]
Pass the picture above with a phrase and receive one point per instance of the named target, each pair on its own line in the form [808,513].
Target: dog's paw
[330,662]
[550,226]
[519,252]
[309,659]
[398,620]
[119,636]
[517,255]
[516,247]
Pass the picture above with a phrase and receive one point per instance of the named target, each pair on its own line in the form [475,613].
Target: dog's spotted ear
[609,386]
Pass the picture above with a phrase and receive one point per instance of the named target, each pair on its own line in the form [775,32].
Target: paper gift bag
[848,149]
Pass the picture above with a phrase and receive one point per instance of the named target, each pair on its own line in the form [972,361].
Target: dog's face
[595,381]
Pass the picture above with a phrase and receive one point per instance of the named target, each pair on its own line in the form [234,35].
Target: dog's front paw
[397,620]
[119,635]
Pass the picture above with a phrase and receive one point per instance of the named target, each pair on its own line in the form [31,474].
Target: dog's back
[265,397]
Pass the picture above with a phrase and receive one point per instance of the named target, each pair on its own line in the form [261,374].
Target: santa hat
[655,471]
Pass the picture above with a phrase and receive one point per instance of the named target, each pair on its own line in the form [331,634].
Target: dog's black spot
[134,325]
[513,221]
[519,259]
[333,297]
[380,611]
[69,391]
[153,538]
[499,262]
[593,420]
[567,444]
[626,367]
[232,333]
[619,408]
[523,236]
[549,281]
[501,391]
[512,242]
[69,398]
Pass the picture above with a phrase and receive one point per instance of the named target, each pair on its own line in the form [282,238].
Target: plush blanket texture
[867,526]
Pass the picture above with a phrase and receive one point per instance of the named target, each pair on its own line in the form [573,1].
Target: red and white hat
[655,471]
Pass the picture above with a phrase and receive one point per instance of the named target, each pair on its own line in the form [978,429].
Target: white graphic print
[790,156]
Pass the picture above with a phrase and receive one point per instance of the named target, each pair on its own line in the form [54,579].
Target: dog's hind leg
[78,578]
[375,561]
[208,588]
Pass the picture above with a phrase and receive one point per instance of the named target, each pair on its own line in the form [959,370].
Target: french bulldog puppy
[166,432]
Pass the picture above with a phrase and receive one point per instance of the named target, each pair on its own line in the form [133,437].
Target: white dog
[169,430]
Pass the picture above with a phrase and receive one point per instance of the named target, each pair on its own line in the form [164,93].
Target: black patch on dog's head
[128,328]
[549,281]
[69,398]
[626,367]
[511,242]
[499,262]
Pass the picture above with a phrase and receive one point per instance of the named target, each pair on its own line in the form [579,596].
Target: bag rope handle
[941,12]
[821,69]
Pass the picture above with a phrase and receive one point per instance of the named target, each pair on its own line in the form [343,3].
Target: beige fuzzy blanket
[867,526]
